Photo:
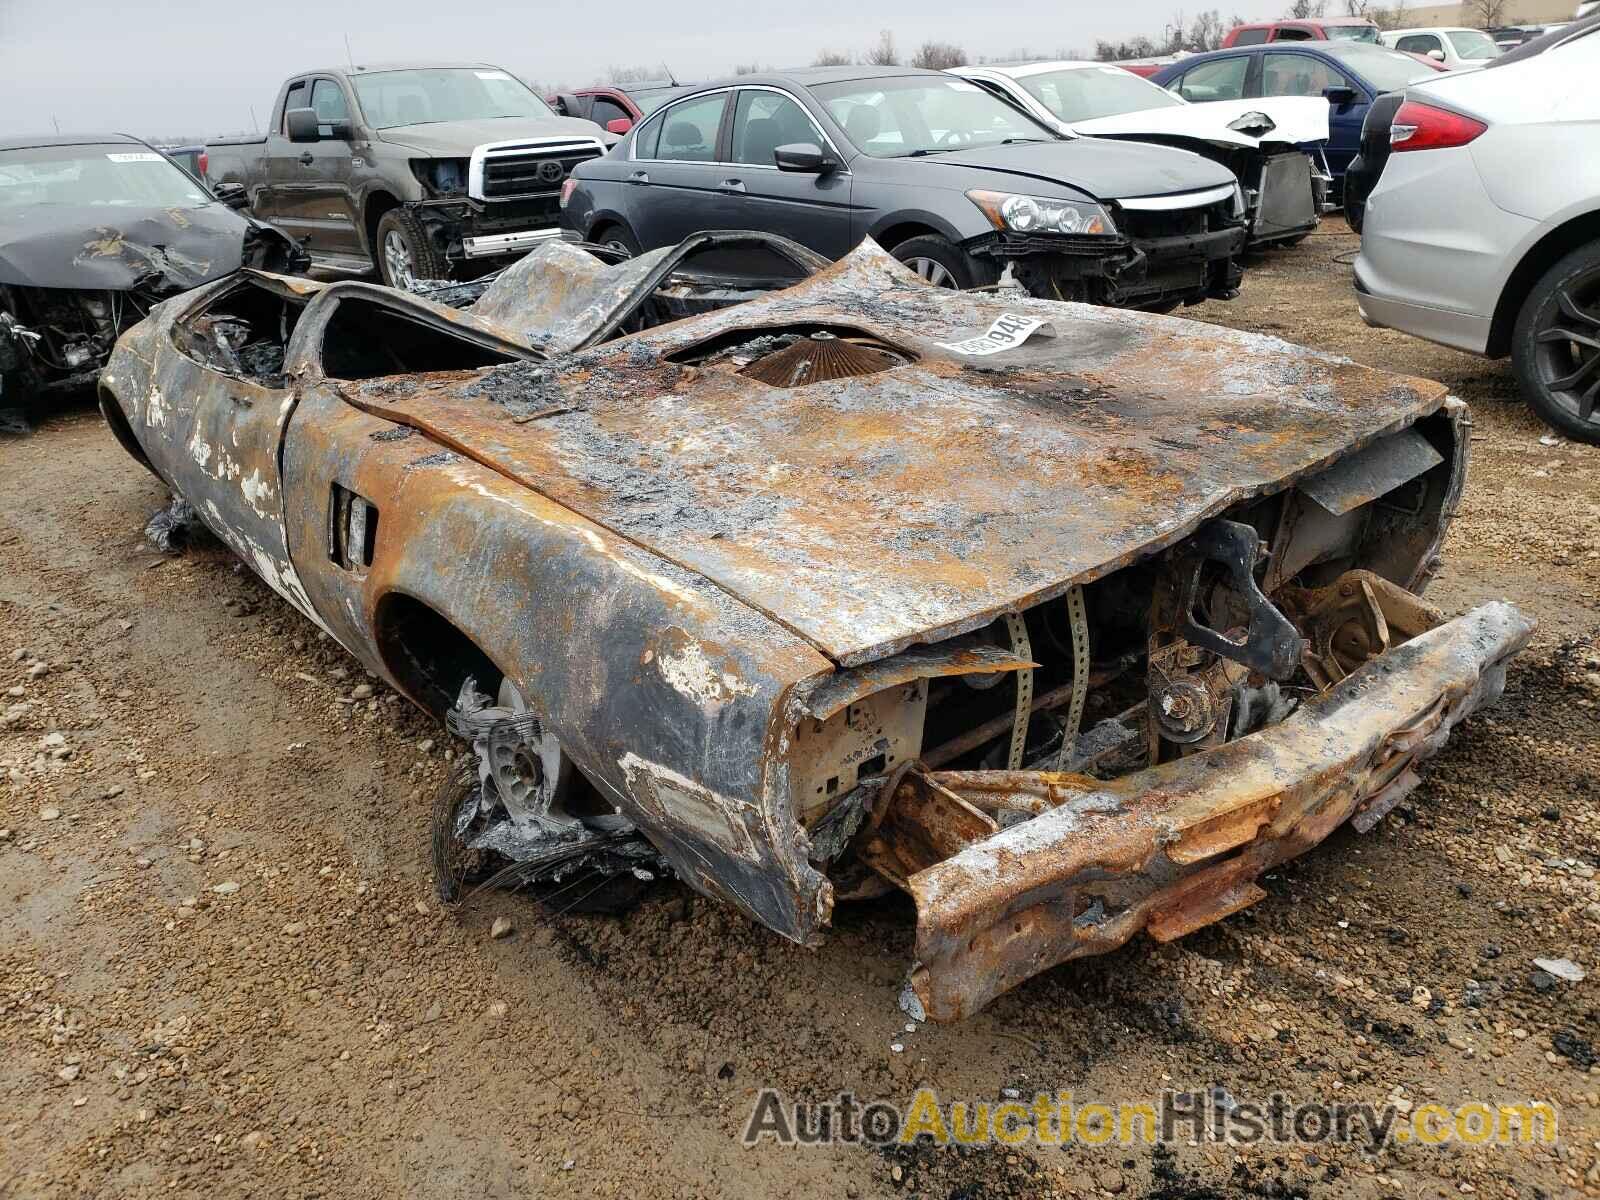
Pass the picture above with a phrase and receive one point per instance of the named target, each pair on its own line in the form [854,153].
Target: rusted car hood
[871,513]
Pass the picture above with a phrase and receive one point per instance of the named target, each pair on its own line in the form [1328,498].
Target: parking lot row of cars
[1070,180]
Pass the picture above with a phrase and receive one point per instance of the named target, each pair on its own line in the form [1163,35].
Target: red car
[1318,29]
[615,108]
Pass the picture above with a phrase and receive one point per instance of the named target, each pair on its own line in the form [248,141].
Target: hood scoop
[822,356]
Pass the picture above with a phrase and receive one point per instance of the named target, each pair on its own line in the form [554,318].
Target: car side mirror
[233,195]
[566,104]
[1436,54]
[619,125]
[804,158]
[1340,97]
[301,124]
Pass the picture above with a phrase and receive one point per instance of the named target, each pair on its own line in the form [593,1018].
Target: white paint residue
[199,449]
[691,673]
[258,491]
[155,409]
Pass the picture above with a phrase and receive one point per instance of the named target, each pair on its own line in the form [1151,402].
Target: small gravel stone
[501,928]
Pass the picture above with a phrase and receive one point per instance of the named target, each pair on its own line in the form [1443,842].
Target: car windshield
[911,115]
[1383,70]
[1084,93]
[1351,33]
[433,94]
[648,102]
[110,176]
[1470,43]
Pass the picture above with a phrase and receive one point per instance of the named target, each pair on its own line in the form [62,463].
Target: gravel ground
[222,971]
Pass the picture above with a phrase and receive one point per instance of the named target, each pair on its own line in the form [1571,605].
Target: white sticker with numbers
[1009,332]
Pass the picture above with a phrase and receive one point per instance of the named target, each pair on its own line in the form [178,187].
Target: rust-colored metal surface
[920,502]
[743,602]
[1177,846]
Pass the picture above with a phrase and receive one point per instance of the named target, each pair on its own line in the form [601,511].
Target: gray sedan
[955,183]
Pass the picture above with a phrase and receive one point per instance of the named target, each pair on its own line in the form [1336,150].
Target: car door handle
[306,159]
[732,185]
[639,177]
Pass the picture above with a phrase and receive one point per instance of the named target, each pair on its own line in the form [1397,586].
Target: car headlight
[1238,203]
[1038,214]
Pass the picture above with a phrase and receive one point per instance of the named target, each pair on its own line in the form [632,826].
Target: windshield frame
[368,104]
[1029,128]
[1161,97]
[188,193]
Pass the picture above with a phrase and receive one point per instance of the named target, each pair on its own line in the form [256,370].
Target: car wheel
[405,255]
[618,239]
[1556,346]
[942,263]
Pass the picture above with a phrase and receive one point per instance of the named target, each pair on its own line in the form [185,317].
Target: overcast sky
[158,68]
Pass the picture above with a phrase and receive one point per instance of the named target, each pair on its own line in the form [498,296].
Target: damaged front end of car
[1150,253]
[1131,755]
[67,294]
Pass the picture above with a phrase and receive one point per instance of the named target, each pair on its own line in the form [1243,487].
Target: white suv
[1483,231]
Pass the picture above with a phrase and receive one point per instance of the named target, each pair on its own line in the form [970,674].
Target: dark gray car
[952,181]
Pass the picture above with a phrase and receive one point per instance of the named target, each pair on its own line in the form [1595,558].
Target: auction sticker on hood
[1007,333]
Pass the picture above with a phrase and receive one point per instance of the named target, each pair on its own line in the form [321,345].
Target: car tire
[618,238]
[941,262]
[404,253]
[1555,347]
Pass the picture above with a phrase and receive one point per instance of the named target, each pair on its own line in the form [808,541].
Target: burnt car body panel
[750,567]
[73,276]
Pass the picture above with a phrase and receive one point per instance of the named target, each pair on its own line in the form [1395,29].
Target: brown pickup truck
[424,171]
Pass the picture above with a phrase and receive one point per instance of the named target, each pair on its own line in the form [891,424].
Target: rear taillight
[1419,126]
[567,189]
[205,160]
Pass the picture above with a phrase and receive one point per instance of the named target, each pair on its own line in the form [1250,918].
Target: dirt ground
[223,972]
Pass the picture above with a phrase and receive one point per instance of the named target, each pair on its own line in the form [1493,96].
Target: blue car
[1350,74]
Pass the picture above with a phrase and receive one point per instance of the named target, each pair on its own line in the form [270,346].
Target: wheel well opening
[117,420]
[428,656]
[904,232]
[1551,249]
[377,205]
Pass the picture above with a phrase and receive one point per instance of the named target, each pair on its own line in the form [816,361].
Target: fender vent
[820,357]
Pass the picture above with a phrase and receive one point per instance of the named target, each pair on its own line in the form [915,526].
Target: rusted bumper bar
[1177,846]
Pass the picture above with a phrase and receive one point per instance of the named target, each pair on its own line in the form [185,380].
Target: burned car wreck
[94,231]
[1068,622]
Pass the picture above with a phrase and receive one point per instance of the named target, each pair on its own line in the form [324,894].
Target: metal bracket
[1272,645]
[1023,648]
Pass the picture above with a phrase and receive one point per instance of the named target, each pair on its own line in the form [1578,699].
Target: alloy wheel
[397,261]
[1567,351]
[933,272]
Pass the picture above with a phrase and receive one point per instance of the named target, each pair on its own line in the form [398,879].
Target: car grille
[511,170]
[1143,226]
